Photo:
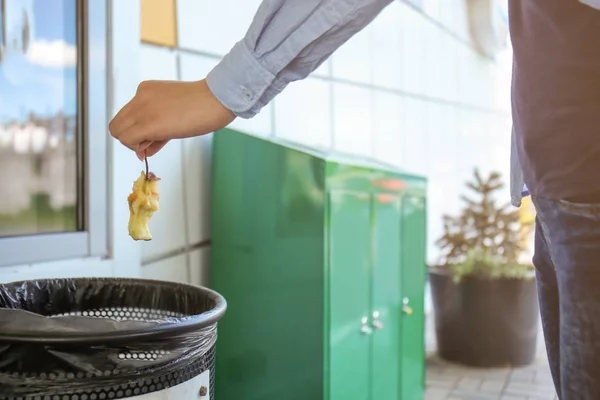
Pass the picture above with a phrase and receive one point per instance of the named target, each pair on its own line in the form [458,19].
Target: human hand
[165,110]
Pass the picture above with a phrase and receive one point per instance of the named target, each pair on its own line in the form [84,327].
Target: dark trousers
[567,261]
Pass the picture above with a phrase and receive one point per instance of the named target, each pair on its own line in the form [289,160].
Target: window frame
[92,169]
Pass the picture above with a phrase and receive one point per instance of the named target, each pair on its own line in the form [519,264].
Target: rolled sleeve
[239,89]
[287,40]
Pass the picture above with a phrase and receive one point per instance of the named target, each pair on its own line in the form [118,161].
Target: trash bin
[107,338]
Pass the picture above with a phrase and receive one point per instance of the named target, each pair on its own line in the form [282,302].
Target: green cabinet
[322,262]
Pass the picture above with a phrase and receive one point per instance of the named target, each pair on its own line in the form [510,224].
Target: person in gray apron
[555,138]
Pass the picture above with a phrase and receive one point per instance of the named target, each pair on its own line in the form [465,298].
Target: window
[53,119]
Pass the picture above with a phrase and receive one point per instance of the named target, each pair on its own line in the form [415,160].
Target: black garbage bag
[105,338]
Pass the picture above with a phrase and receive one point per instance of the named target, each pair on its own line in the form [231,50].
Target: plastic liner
[81,335]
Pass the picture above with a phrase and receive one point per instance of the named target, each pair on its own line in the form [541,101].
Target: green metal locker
[322,262]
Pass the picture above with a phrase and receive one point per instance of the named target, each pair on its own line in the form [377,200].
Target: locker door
[349,295]
[413,298]
[386,298]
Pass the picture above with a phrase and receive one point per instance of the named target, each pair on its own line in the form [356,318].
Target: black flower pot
[485,322]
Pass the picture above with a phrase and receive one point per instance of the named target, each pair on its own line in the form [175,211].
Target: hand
[165,110]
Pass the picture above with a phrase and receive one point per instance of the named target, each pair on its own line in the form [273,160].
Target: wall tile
[484,141]
[442,142]
[260,125]
[200,267]
[460,20]
[303,113]
[449,71]
[501,80]
[388,127]
[443,154]
[432,67]
[435,209]
[353,60]
[453,15]
[214,26]
[415,136]
[387,48]
[194,67]
[353,122]
[412,29]
[157,63]
[171,269]
[433,8]
[87,267]
[469,76]
[197,163]
[498,143]
[470,137]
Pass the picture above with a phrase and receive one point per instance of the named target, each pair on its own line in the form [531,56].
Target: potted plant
[484,299]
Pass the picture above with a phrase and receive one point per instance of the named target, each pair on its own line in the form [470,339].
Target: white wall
[408,90]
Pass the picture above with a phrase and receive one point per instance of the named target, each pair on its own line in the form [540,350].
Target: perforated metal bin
[108,338]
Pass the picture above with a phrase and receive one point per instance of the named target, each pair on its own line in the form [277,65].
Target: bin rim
[160,331]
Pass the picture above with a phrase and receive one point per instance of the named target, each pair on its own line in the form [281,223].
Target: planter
[485,322]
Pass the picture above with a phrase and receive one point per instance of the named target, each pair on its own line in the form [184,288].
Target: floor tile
[448,381]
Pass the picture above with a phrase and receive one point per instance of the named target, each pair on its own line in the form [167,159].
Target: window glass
[39,125]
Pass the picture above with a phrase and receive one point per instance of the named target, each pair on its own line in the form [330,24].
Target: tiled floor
[446,381]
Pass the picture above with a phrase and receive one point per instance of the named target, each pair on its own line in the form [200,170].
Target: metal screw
[203,391]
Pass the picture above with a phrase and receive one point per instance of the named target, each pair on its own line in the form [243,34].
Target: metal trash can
[107,338]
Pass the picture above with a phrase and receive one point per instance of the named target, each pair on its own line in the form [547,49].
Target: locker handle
[377,324]
[364,329]
[406,309]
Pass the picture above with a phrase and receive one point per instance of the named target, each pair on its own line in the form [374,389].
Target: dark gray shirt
[556,96]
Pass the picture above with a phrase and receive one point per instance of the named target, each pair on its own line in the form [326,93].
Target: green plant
[485,239]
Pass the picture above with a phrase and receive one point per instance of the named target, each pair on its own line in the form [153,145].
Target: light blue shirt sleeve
[287,40]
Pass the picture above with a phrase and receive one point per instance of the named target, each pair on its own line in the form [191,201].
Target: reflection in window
[38,117]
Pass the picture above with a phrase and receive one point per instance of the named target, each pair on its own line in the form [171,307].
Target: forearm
[287,40]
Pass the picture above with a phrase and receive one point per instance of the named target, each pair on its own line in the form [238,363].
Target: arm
[287,40]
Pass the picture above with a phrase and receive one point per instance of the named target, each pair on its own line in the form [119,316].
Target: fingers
[144,145]
[135,135]
[141,155]
[133,123]
[151,149]
[163,110]
[123,120]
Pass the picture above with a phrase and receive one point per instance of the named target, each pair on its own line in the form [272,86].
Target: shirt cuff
[239,81]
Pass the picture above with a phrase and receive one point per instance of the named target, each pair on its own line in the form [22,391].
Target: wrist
[239,81]
[214,101]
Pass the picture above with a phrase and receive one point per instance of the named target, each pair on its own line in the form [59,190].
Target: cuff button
[248,95]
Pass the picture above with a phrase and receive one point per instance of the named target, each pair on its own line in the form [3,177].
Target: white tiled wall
[311,97]
[408,90]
